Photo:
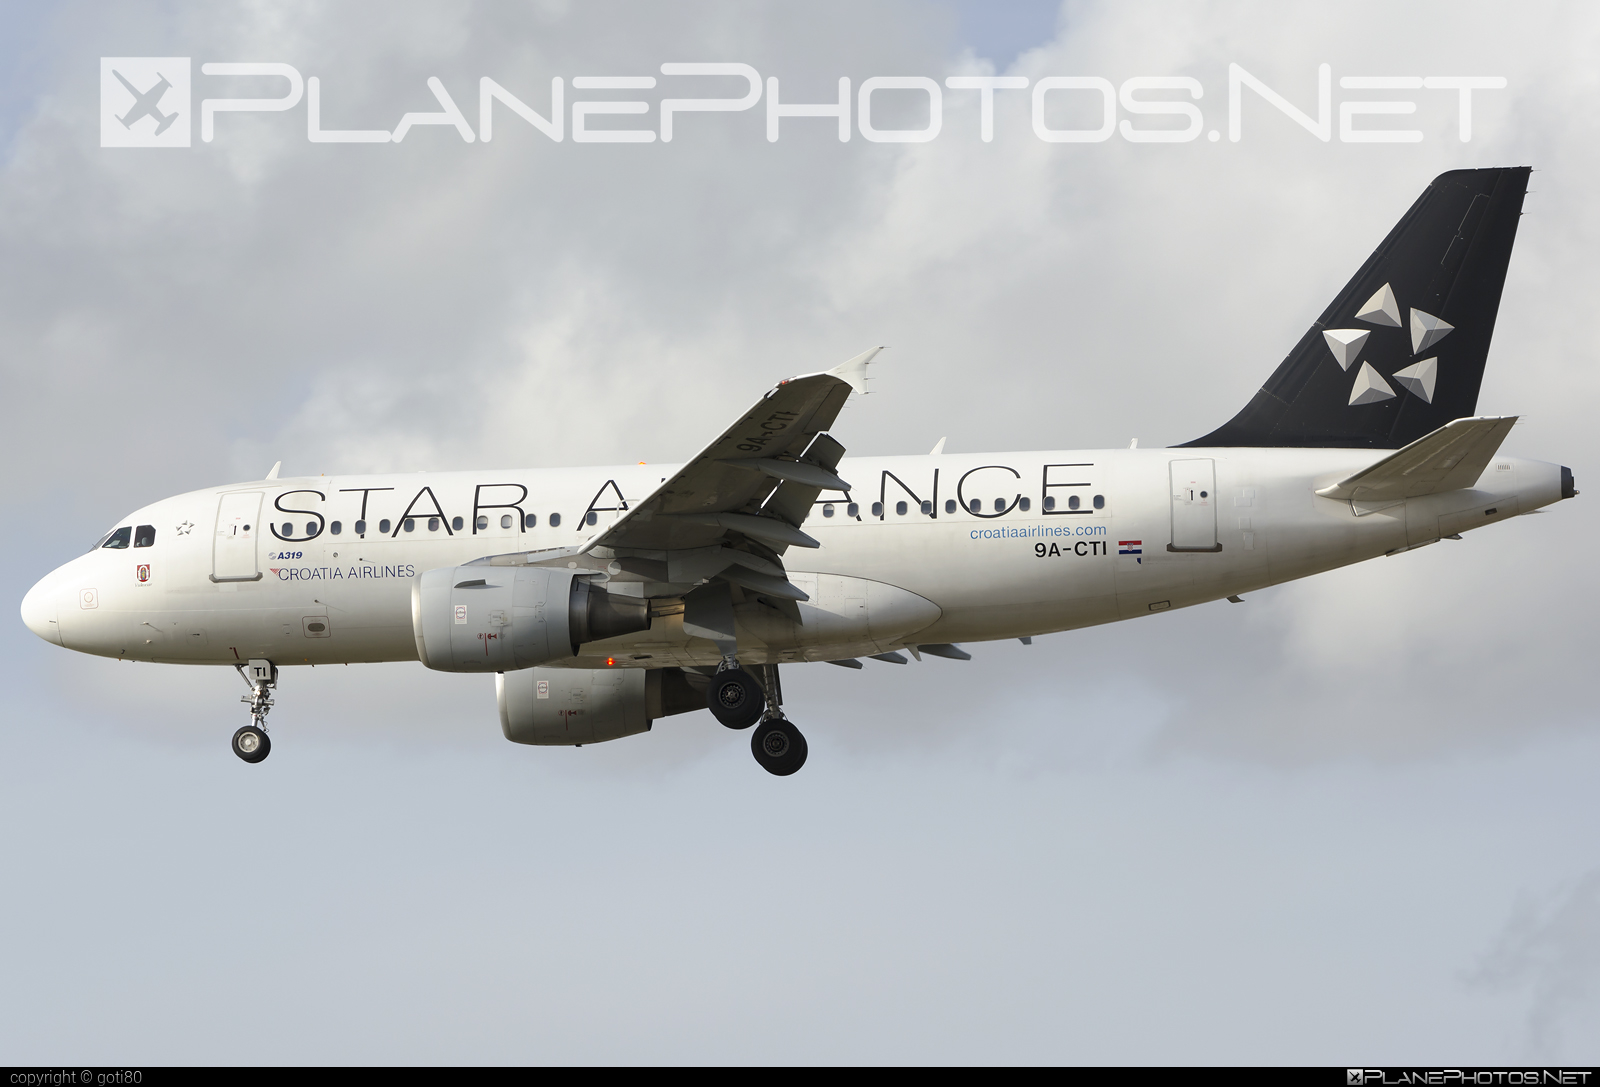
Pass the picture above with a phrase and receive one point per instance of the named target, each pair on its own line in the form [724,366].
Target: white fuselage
[288,588]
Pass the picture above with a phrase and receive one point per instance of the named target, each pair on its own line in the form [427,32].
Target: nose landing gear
[251,743]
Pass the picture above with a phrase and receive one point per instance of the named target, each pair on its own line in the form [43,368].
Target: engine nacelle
[563,706]
[504,618]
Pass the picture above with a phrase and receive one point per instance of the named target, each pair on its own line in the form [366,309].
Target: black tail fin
[1401,351]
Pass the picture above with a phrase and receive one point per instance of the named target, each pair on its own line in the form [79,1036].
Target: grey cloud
[1551,950]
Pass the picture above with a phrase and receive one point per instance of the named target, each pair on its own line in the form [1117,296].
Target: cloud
[1550,950]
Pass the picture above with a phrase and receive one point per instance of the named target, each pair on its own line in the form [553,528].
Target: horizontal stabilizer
[1449,459]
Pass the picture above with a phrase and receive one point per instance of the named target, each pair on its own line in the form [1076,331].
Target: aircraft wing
[744,485]
[732,511]
[1450,458]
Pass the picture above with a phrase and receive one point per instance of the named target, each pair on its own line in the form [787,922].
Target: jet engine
[554,706]
[504,618]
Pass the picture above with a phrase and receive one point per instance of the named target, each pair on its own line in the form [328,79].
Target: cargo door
[1194,505]
[233,556]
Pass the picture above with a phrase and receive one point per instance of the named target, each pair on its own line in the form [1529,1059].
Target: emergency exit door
[233,556]
[1194,505]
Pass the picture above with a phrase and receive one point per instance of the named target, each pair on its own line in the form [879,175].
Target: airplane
[605,599]
[147,104]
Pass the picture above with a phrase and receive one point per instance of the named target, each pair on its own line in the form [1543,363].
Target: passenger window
[361,528]
[288,529]
[1072,502]
[1024,504]
[1049,501]
[483,521]
[118,539]
[433,524]
[877,509]
[1099,501]
[900,509]
[977,505]
[144,536]
[853,510]
[311,529]
[335,527]
[383,526]
[456,523]
[410,524]
[530,520]
[592,517]
[999,505]
[827,509]
[949,505]
[555,520]
[505,521]
[927,508]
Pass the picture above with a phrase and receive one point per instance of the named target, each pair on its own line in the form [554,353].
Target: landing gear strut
[778,746]
[251,743]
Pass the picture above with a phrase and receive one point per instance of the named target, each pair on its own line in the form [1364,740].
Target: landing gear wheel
[778,746]
[251,744]
[735,698]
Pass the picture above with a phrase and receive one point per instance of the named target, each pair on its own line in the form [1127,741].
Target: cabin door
[1194,505]
[233,556]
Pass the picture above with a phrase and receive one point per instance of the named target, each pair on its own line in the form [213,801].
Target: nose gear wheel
[251,743]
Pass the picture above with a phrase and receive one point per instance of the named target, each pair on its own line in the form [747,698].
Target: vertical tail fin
[1401,350]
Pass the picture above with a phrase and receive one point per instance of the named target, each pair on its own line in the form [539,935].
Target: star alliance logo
[1383,310]
[144,101]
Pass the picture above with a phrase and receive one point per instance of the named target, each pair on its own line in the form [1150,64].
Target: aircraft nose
[40,608]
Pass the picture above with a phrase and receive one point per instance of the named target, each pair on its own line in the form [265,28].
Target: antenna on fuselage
[274,473]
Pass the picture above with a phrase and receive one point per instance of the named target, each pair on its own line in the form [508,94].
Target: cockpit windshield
[145,537]
[119,538]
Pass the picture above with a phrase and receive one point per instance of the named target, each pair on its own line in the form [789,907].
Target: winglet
[854,371]
[274,473]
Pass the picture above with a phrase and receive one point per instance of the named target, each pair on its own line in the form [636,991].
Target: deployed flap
[715,497]
[1450,458]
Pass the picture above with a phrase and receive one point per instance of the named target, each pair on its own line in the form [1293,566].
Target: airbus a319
[604,599]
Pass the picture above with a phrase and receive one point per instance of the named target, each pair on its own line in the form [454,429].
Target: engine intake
[505,618]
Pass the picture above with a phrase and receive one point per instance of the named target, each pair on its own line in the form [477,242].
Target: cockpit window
[145,536]
[119,538]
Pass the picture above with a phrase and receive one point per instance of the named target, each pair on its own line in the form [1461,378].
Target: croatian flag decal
[1131,547]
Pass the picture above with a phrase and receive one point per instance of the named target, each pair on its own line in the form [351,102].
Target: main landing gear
[251,743]
[739,700]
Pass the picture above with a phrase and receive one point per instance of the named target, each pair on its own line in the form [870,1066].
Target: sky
[1350,821]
